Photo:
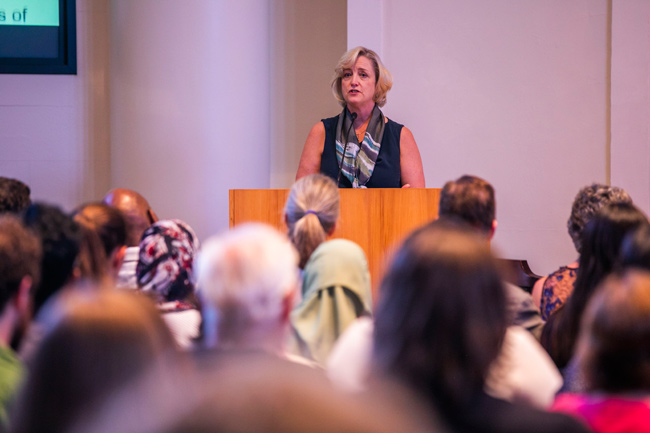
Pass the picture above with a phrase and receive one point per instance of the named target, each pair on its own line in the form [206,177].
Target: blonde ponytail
[311,213]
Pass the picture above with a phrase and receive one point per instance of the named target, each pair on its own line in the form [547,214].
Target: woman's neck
[363,114]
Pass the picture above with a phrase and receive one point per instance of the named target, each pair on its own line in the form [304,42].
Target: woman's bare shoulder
[312,151]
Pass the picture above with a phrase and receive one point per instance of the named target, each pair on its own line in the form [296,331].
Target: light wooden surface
[376,219]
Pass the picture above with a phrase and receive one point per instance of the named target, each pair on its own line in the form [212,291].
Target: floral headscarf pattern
[166,260]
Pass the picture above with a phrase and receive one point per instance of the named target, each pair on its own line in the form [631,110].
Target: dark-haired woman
[440,325]
[635,251]
[601,244]
[551,292]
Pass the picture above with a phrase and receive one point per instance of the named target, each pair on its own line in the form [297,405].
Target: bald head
[136,209]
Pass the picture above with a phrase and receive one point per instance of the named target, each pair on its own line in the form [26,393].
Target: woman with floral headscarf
[165,272]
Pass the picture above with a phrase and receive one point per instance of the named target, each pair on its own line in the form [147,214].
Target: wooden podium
[376,219]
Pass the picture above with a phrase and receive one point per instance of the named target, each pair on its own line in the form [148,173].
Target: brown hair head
[613,345]
[470,199]
[101,340]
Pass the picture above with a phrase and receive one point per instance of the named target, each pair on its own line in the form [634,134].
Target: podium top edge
[340,189]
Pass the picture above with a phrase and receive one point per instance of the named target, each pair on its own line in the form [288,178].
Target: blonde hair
[311,213]
[384,79]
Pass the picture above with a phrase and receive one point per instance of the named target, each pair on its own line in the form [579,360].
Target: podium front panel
[376,219]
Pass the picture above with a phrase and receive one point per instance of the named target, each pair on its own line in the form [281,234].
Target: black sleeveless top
[387,172]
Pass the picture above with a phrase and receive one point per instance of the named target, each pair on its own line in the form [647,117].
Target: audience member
[335,292]
[601,244]
[165,270]
[472,200]
[60,238]
[613,355]
[552,291]
[14,195]
[336,286]
[101,341]
[635,251]
[247,279]
[311,213]
[91,261]
[139,217]
[104,240]
[20,256]
[440,325]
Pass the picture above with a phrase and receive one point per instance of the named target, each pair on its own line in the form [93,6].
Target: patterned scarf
[166,260]
[359,161]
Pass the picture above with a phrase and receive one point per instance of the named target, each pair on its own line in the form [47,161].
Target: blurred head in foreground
[100,340]
[252,393]
[612,348]
[442,318]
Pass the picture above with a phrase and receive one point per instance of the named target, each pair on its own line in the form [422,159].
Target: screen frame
[65,62]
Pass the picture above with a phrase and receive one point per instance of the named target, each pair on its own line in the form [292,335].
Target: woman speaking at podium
[361,148]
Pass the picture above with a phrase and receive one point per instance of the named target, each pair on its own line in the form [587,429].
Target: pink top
[607,413]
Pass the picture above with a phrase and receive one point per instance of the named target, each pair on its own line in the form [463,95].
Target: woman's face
[358,83]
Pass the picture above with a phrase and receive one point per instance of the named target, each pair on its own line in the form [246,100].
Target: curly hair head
[589,200]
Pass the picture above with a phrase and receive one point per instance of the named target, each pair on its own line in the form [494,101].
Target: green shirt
[11,374]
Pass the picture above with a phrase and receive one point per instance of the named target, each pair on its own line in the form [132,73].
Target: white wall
[190,102]
[630,113]
[513,91]
[54,128]
[307,39]
[210,95]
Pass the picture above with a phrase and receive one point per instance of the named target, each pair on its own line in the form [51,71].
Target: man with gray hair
[247,280]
